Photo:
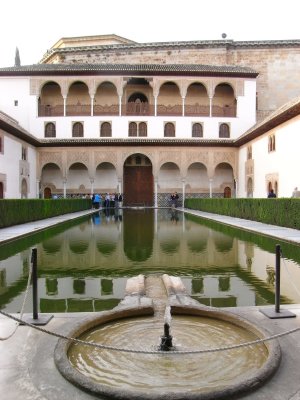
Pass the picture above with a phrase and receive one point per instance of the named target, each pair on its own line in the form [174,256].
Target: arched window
[249,152]
[77,130]
[271,143]
[132,129]
[197,130]
[224,131]
[143,129]
[169,130]
[105,130]
[50,130]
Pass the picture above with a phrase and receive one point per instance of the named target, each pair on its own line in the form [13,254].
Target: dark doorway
[1,190]
[47,193]
[138,181]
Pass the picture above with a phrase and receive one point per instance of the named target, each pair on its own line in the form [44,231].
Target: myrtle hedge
[281,212]
[16,211]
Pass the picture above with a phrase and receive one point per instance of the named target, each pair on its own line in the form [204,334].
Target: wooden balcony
[135,108]
[163,110]
[51,111]
[191,110]
[226,111]
[106,109]
[78,110]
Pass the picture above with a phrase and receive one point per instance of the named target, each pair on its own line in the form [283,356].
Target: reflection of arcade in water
[85,267]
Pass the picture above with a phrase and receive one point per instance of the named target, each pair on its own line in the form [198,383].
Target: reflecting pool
[84,265]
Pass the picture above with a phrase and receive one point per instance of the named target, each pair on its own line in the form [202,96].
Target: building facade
[108,115]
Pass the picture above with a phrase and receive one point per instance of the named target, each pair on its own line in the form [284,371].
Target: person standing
[120,200]
[271,194]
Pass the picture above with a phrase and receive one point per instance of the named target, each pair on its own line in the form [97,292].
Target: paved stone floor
[27,369]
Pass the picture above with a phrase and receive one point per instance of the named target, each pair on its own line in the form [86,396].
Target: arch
[196,100]
[197,130]
[50,130]
[105,129]
[227,192]
[224,131]
[224,101]
[169,178]
[77,129]
[78,100]
[169,101]
[52,246]
[223,178]
[169,129]
[250,187]
[50,101]
[78,246]
[142,129]
[138,180]
[197,178]
[138,97]
[78,179]
[106,100]
[223,243]
[106,179]
[47,193]
[132,129]
[24,189]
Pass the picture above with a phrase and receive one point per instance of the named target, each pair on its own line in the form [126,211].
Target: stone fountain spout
[166,340]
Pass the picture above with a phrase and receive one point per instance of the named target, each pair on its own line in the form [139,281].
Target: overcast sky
[34,26]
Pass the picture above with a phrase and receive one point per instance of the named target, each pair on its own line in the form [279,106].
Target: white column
[210,106]
[210,188]
[65,188]
[155,193]
[236,188]
[37,189]
[183,106]
[92,185]
[92,106]
[120,106]
[155,106]
[65,106]
[119,186]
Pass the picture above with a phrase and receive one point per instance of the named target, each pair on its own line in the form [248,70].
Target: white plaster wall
[9,165]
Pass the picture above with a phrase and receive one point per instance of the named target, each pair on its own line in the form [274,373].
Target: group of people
[108,200]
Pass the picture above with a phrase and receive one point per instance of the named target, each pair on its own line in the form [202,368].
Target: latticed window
[224,131]
[24,153]
[143,129]
[50,130]
[169,130]
[77,130]
[271,143]
[132,129]
[105,130]
[249,153]
[197,130]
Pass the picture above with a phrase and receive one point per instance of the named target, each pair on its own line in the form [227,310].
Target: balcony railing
[51,111]
[78,109]
[106,110]
[169,110]
[191,110]
[135,108]
[226,111]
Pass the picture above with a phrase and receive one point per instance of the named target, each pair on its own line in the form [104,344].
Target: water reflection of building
[89,263]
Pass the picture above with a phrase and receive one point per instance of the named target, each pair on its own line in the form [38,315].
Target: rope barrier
[23,306]
[129,350]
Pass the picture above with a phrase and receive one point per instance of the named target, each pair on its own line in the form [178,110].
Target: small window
[105,130]
[169,130]
[197,130]
[50,130]
[77,130]
[16,103]
[271,143]
[249,153]
[24,153]
[132,129]
[224,131]
[143,129]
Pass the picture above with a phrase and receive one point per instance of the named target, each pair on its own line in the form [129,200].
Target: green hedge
[16,211]
[280,212]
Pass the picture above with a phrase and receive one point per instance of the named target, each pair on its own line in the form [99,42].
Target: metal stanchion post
[277,313]
[36,318]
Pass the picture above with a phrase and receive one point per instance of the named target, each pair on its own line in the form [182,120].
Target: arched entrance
[1,190]
[138,181]
[47,193]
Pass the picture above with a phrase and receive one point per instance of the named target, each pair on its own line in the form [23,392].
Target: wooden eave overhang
[19,133]
[283,114]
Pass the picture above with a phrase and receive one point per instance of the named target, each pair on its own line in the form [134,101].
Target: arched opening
[197,181]
[47,193]
[250,187]
[138,97]
[78,179]
[197,100]
[24,189]
[224,102]
[51,101]
[169,100]
[138,181]
[50,130]
[78,100]
[227,192]
[106,180]
[106,101]
[223,179]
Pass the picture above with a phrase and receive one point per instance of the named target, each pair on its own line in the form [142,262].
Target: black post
[34,284]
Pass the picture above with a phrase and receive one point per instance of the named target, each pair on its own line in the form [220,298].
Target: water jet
[166,374]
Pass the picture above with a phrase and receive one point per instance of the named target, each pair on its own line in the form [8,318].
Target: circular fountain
[158,367]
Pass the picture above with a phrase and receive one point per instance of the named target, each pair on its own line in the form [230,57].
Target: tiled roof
[197,69]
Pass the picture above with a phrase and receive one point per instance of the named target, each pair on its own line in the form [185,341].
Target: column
[210,188]
[119,186]
[92,106]
[120,106]
[155,106]
[65,188]
[210,106]
[65,105]
[183,106]
[183,192]
[236,188]
[92,185]
[37,189]
[155,193]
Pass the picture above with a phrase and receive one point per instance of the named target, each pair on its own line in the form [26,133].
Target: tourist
[120,200]
[271,194]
